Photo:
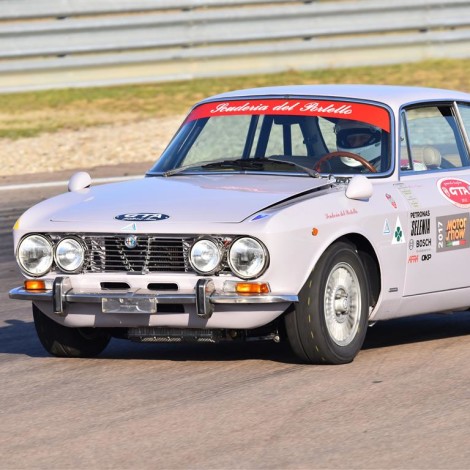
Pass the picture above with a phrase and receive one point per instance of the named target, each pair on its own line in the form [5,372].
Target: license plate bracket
[128,305]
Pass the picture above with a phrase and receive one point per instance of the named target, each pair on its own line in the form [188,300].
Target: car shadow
[416,329]
[19,337]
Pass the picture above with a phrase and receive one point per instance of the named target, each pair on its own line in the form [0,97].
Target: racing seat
[430,156]
[426,155]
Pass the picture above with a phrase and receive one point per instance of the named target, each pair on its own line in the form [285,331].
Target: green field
[29,114]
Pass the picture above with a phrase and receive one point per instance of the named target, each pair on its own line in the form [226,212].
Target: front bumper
[204,298]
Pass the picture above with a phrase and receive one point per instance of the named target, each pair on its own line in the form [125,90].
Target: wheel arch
[325,300]
[370,261]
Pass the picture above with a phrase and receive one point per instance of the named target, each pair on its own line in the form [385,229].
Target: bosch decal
[424,243]
[456,191]
[420,225]
[142,217]
[452,232]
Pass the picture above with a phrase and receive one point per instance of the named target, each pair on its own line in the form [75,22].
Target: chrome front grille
[108,253]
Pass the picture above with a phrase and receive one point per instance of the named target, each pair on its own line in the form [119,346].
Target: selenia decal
[456,191]
[420,226]
[420,223]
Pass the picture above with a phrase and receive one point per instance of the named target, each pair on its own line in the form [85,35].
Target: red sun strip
[368,113]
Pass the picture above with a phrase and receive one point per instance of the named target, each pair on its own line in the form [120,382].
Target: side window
[406,162]
[434,141]
[465,114]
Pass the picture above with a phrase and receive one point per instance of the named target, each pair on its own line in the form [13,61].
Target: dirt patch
[141,141]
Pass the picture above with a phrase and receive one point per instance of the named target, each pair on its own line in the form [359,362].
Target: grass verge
[30,114]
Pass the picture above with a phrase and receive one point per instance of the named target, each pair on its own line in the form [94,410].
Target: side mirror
[79,181]
[359,187]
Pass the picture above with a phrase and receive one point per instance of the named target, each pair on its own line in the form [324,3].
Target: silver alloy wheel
[342,304]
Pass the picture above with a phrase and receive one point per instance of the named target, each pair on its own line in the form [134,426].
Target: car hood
[211,198]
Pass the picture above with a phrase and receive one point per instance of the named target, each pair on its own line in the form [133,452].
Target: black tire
[328,324]
[62,341]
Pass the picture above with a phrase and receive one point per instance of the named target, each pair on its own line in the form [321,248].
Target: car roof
[391,95]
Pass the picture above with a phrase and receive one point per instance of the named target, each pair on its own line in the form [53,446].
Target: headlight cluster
[205,256]
[246,256]
[36,254]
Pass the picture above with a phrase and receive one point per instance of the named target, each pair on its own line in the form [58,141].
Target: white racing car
[301,213]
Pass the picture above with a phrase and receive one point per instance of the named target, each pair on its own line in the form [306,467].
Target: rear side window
[465,114]
[432,140]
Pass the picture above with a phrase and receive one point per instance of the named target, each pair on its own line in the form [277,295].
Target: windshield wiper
[245,164]
[309,171]
[180,169]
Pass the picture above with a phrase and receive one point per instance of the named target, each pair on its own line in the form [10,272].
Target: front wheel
[62,341]
[328,324]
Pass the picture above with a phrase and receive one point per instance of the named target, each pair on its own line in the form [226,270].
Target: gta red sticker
[456,191]
[339,109]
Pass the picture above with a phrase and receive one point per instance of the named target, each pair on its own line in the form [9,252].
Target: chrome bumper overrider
[204,298]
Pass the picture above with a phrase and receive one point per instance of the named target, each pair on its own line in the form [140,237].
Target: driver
[360,138]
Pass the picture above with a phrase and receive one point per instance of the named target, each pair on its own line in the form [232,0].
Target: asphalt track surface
[404,403]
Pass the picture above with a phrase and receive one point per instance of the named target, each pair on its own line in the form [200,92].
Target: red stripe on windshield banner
[334,109]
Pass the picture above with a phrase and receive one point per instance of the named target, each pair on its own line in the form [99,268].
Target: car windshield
[288,136]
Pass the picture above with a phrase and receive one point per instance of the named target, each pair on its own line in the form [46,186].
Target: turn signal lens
[252,288]
[34,285]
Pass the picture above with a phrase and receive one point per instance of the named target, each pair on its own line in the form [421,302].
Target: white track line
[51,184]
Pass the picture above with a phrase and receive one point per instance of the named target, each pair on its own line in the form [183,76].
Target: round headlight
[69,254]
[35,255]
[205,256]
[247,258]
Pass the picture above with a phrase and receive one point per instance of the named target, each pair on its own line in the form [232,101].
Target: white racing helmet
[360,138]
